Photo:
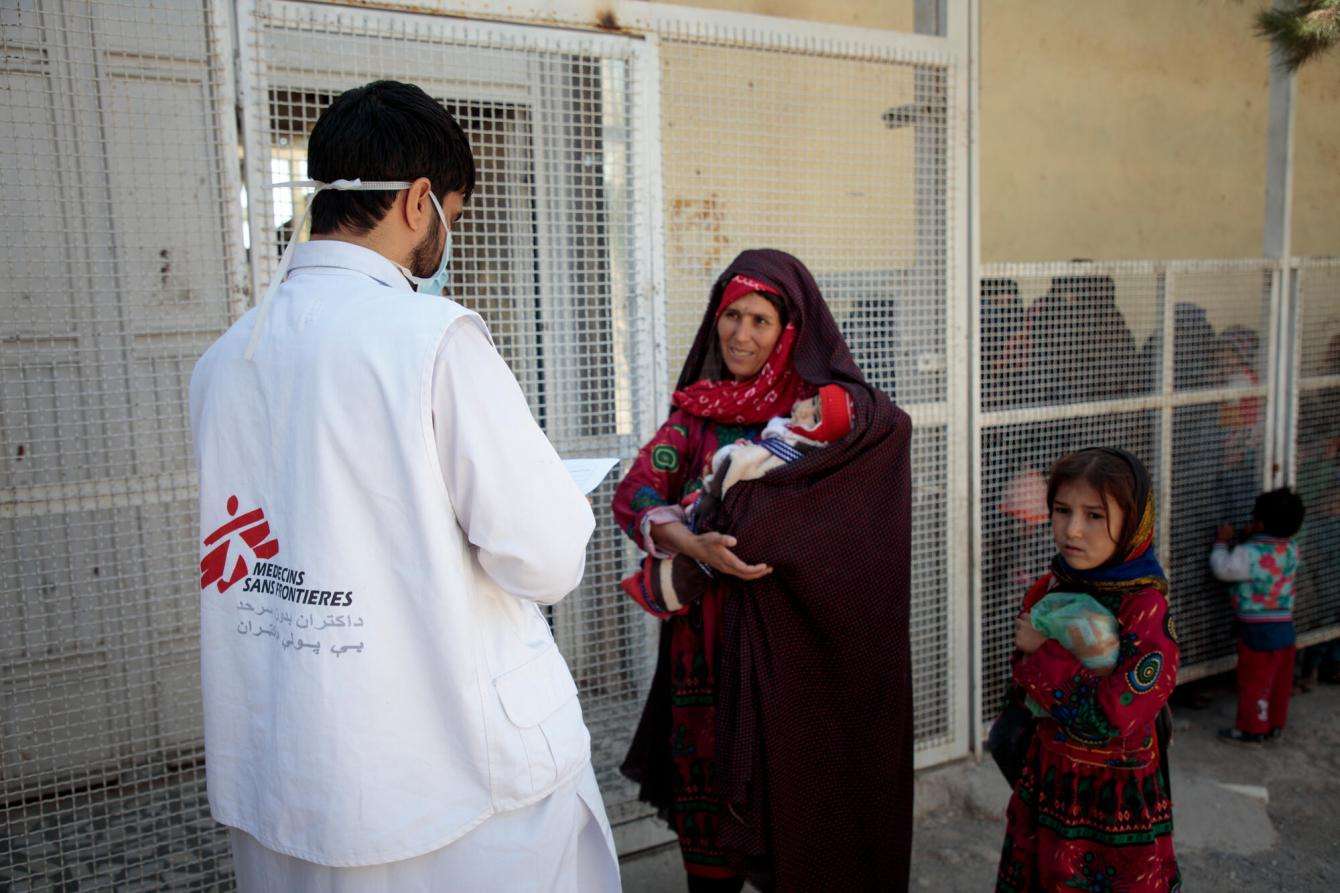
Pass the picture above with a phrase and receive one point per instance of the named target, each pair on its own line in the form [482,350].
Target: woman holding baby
[774,508]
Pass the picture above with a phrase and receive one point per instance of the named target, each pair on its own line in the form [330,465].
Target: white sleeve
[514,499]
[1231,566]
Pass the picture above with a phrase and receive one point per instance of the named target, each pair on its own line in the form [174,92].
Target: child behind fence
[1260,571]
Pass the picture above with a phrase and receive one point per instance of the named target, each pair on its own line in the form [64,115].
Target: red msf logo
[253,529]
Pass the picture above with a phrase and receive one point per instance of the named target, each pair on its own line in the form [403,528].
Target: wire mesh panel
[547,252]
[1317,447]
[1016,544]
[119,263]
[1072,355]
[839,155]
[1220,321]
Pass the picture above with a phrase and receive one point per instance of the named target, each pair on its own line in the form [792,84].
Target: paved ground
[1246,818]
[1260,819]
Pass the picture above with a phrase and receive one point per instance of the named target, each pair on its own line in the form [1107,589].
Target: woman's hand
[1026,638]
[714,550]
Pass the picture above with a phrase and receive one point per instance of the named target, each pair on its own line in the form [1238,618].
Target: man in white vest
[381,522]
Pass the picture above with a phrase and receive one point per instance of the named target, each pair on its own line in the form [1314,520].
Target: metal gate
[1314,438]
[1191,365]
[618,174]
[845,152]
[553,251]
[120,262]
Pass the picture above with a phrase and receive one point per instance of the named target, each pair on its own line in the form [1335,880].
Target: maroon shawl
[814,699]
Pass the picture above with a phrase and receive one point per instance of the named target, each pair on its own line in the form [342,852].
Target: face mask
[437,283]
[433,285]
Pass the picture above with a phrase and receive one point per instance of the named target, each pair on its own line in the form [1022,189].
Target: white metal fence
[1169,361]
[1313,433]
[554,250]
[120,262]
[1246,398]
[840,152]
[619,173]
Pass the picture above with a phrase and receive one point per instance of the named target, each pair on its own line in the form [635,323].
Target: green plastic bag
[1083,627]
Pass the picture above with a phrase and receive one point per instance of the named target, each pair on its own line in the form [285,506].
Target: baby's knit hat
[834,415]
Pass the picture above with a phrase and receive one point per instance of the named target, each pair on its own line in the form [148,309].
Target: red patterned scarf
[751,402]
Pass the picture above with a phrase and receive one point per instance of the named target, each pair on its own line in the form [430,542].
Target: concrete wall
[1126,129]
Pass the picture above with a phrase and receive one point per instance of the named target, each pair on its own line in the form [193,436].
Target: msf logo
[254,532]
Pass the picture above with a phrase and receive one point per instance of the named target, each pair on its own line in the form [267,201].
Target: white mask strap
[263,308]
[405,271]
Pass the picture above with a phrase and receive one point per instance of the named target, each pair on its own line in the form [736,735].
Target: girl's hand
[1224,534]
[714,550]
[1026,638]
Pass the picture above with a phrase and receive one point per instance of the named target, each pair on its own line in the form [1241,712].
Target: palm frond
[1302,32]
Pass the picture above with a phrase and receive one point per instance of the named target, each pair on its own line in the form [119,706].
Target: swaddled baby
[814,423]
[1083,627]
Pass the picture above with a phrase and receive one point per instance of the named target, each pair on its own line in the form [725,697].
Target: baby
[814,423]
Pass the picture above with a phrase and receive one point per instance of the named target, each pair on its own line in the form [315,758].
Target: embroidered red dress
[1091,810]
[669,467]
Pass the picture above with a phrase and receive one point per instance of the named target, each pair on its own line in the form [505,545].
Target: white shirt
[378,678]
[487,444]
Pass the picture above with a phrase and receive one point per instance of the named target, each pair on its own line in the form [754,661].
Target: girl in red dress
[1091,809]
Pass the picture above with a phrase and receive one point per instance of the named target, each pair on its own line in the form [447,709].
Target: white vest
[370,693]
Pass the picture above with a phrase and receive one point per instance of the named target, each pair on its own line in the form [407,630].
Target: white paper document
[588,473]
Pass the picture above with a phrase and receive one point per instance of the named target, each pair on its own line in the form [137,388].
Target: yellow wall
[894,15]
[1316,183]
[1127,128]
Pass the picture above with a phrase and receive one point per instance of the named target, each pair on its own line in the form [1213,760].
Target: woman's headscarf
[769,393]
[1134,565]
[820,354]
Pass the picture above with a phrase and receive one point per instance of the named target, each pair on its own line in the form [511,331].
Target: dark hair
[1096,290]
[1280,512]
[384,131]
[1107,473]
[1243,343]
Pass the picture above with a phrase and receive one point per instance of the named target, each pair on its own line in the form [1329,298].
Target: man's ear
[418,211]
